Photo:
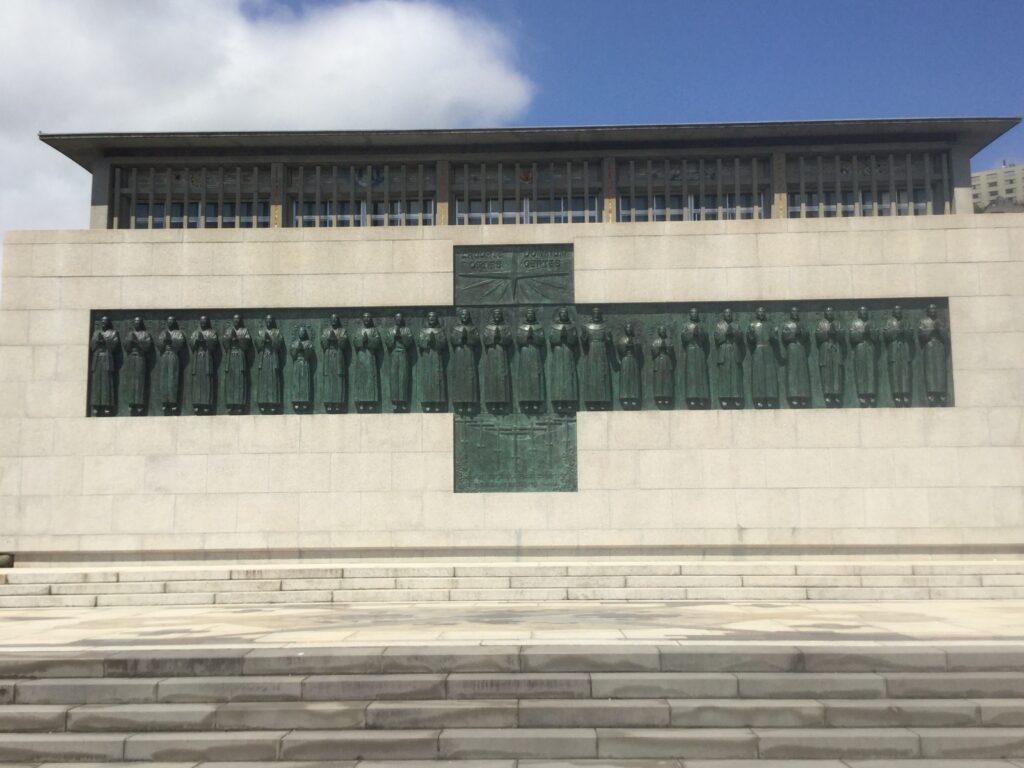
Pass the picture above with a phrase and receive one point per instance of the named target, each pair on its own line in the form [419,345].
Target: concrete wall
[742,480]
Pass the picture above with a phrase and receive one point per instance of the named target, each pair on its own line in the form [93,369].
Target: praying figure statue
[630,358]
[172,346]
[465,341]
[366,344]
[829,336]
[796,345]
[899,341]
[863,338]
[933,339]
[237,345]
[695,370]
[433,349]
[664,368]
[303,355]
[270,345]
[564,342]
[399,341]
[134,373]
[729,361]
[204,365]
[597,370]
[334,343]
[497,374]
[103,368]
[530,370]
[764,372]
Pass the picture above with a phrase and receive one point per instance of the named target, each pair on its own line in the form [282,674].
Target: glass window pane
[142,215]
[228,220]
[158,215]
[210,216]
[177,214]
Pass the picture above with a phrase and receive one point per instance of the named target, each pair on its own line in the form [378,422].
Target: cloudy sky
[167,65]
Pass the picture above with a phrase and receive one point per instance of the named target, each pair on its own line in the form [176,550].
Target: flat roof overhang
[971,133]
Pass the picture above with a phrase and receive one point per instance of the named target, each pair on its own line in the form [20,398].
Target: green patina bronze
[516,358]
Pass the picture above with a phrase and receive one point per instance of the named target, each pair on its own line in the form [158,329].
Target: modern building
[796,411]
[1004,183]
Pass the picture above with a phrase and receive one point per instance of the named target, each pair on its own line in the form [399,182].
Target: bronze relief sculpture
[564,342]
[933,340]
[695,371]
[433,349]
[366,345]
[530,368]
[664,368]
[303,355]
[597,370]
[729,361]
[630,353]
[763,340]
[269,384]
[796,348]
[497,372]
[863,338]
[238,346]
[135,371]
[204,367]
[899,342]
[831,353]
[399,342]
[172,347]
[465,341]
[103,368]
[334,344]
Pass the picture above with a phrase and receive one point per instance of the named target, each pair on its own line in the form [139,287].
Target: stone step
[573,579]
[684,657]
[521,743]
[515,685]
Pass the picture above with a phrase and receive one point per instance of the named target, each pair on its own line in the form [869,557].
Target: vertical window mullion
[718,187]
[929,193]
[737,208]
[201,218]
[947,206]
[687,209]
[892,185]
[910,187]
[700,188]
[874,185]
[821,188]
[755,192]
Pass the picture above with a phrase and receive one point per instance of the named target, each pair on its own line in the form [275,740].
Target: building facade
[1004,183]
[763,338]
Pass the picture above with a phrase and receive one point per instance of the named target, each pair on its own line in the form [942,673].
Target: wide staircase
[547,579]
[684,704]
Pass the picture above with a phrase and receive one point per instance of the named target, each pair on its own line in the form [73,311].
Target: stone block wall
[878,480]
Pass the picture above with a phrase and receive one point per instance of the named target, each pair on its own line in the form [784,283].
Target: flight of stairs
[686,704]
[510,580]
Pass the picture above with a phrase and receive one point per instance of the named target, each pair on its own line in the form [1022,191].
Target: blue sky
[665,61]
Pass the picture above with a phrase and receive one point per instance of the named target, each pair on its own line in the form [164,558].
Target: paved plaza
[370,624]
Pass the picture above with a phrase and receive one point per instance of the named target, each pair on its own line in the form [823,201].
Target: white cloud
[197,65]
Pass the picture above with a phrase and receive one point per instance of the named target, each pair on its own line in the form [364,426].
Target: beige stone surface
[916,478]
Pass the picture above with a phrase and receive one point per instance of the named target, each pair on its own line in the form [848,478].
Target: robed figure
[664,368]
[530,371]
[631,355]
[333,343]
[399,342]
[103,368]
[863,339]
[898,340]
[465,341]
[796,345]
[237,345]
[171,346]
[564,342]
[729,361]
[933,340]
[204,364]
[597,370]
[828,334]
[303,355]
[497,372]
[366,345]
[137,346]
[695,364]
[270,348]
[433,349]
[762,338]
